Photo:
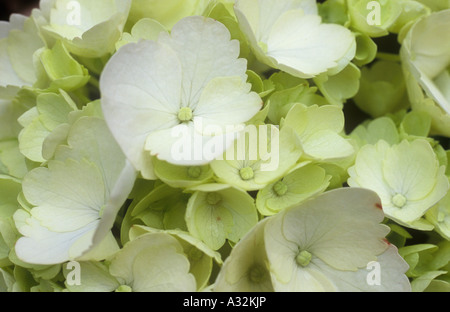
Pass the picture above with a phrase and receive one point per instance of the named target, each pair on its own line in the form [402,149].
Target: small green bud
[303,258]
[213,198]
[185,114]
[280,188]
[246,173]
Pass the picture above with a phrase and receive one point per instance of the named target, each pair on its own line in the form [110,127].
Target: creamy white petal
[206,51]
[140,88]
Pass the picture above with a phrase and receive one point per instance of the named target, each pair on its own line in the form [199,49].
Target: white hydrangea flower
[160,98]
[88,28]
[20,42]
[325,244]
[289,35]
[75,199]
[426,54]
[406,176]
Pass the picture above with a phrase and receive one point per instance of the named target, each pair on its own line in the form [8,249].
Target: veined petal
[206,51]
[261,15]
[311,49]
[387,274]
[341,227]
[411,169]
[41,246]
[368,170]
[68,195]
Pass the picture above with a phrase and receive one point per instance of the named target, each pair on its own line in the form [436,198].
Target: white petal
[311,49]
[68,195]
[261,15]
[140,89]
[41,246]
[368,170]
[340,227]
[185,145]
[387,274]
[227,101]
[117,197]
[206,51]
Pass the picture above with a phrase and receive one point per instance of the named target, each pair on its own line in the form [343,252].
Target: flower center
[185,114]
[257,274]
[303,258]
[194,172]
[399,200]
[194,254]
[213,198]
[280,188]
[247,173]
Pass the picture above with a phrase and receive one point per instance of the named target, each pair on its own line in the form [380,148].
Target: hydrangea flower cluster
[225,146]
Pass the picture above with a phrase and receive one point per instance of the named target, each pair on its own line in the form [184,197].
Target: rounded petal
[296,52]
[206,51]
[245,270]
[140,94]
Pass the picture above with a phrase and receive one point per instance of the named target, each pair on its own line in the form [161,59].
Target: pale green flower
[407,177]
[216,213]
[87,28]
[258,159]
[309,247]
[297,186]
[153,262]
[157,101]
[290,36]
[75,199]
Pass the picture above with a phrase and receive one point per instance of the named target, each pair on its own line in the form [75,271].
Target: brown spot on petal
[379,206]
